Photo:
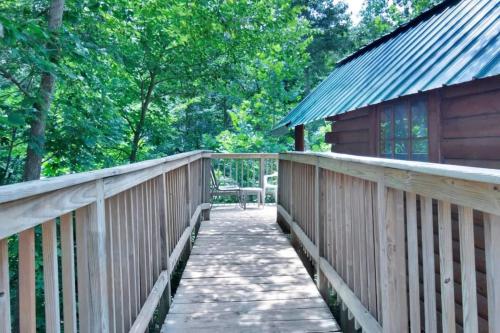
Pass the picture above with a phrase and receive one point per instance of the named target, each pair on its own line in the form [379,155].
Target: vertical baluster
[413,274]
[428,265]
[50,277]
[446,267]
[5,325]
[372,251]
[110,264]
[492,248]
[116,269]
[27,321]
[468,268]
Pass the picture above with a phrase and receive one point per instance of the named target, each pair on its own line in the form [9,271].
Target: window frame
[410,139]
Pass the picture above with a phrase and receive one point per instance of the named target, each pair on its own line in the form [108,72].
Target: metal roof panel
[455,42]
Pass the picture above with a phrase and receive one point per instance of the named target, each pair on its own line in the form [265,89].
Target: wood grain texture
[5,325]
[492,244]
[229,296]
[68,276]
[428,265]
[446,267]
[27,322]
[469,297]
[51,277]
[413,266]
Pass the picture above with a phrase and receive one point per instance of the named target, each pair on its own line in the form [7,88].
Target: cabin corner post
[299,138]
[392,257]
[322,282]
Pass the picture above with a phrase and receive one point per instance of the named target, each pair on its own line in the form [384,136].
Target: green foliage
[142,79]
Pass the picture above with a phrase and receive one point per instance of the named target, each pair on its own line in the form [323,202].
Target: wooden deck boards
[244,276]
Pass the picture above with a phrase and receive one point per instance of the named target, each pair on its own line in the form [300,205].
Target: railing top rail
[482,175]
[27,189]
[245,155]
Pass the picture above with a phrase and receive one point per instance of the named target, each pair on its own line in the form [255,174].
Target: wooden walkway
[244,276]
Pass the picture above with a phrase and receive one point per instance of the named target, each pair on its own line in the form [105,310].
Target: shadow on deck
[244,276]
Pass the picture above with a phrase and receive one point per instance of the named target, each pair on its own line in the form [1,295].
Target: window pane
[386,147]
[386,124]
[420,150]
[401,149]
[419,120]
[401,123]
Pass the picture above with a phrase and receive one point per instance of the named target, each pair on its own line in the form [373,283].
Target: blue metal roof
[455,42]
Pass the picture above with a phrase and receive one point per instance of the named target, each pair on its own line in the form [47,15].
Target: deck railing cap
[35,187]
[483,175]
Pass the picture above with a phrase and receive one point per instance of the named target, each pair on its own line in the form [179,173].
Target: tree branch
[13,80]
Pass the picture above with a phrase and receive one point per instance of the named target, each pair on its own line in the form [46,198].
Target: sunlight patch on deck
[244,276]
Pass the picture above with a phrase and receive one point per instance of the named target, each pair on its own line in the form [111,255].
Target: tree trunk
[140,125]
[36,140]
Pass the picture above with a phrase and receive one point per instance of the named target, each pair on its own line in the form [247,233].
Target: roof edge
[403,27]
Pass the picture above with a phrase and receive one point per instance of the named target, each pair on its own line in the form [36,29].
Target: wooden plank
[248,306]
[5,325]
[92,278]
[244,276]
[27,322]
[468,268]
[413,274]
[68,276]
[492,246]
[371,251]
[148,308]
[428,265]
[362,315]
[446,267]
[51,277]
[392,259]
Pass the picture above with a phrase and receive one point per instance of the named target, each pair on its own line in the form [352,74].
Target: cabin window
[404,131]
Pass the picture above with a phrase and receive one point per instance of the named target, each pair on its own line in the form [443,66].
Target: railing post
[91,222]
[322,281]
[392,258]
[262,171]
[206,186]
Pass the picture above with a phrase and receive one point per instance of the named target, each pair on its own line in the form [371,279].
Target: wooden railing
[369,226]
[244,169]
[129,226]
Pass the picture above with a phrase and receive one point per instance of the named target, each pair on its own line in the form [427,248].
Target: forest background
[87,84]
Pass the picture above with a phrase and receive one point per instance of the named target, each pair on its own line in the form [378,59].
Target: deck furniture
[272,187]
[218,190]
[248,191]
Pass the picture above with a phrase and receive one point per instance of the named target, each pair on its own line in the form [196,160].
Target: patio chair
[270,186]
[218,190]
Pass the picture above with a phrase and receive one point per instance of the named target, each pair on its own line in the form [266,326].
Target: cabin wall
[354,133]
[470,125]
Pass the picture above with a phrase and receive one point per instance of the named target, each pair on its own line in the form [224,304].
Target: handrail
[132,224]
[343,209]
[22,190]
